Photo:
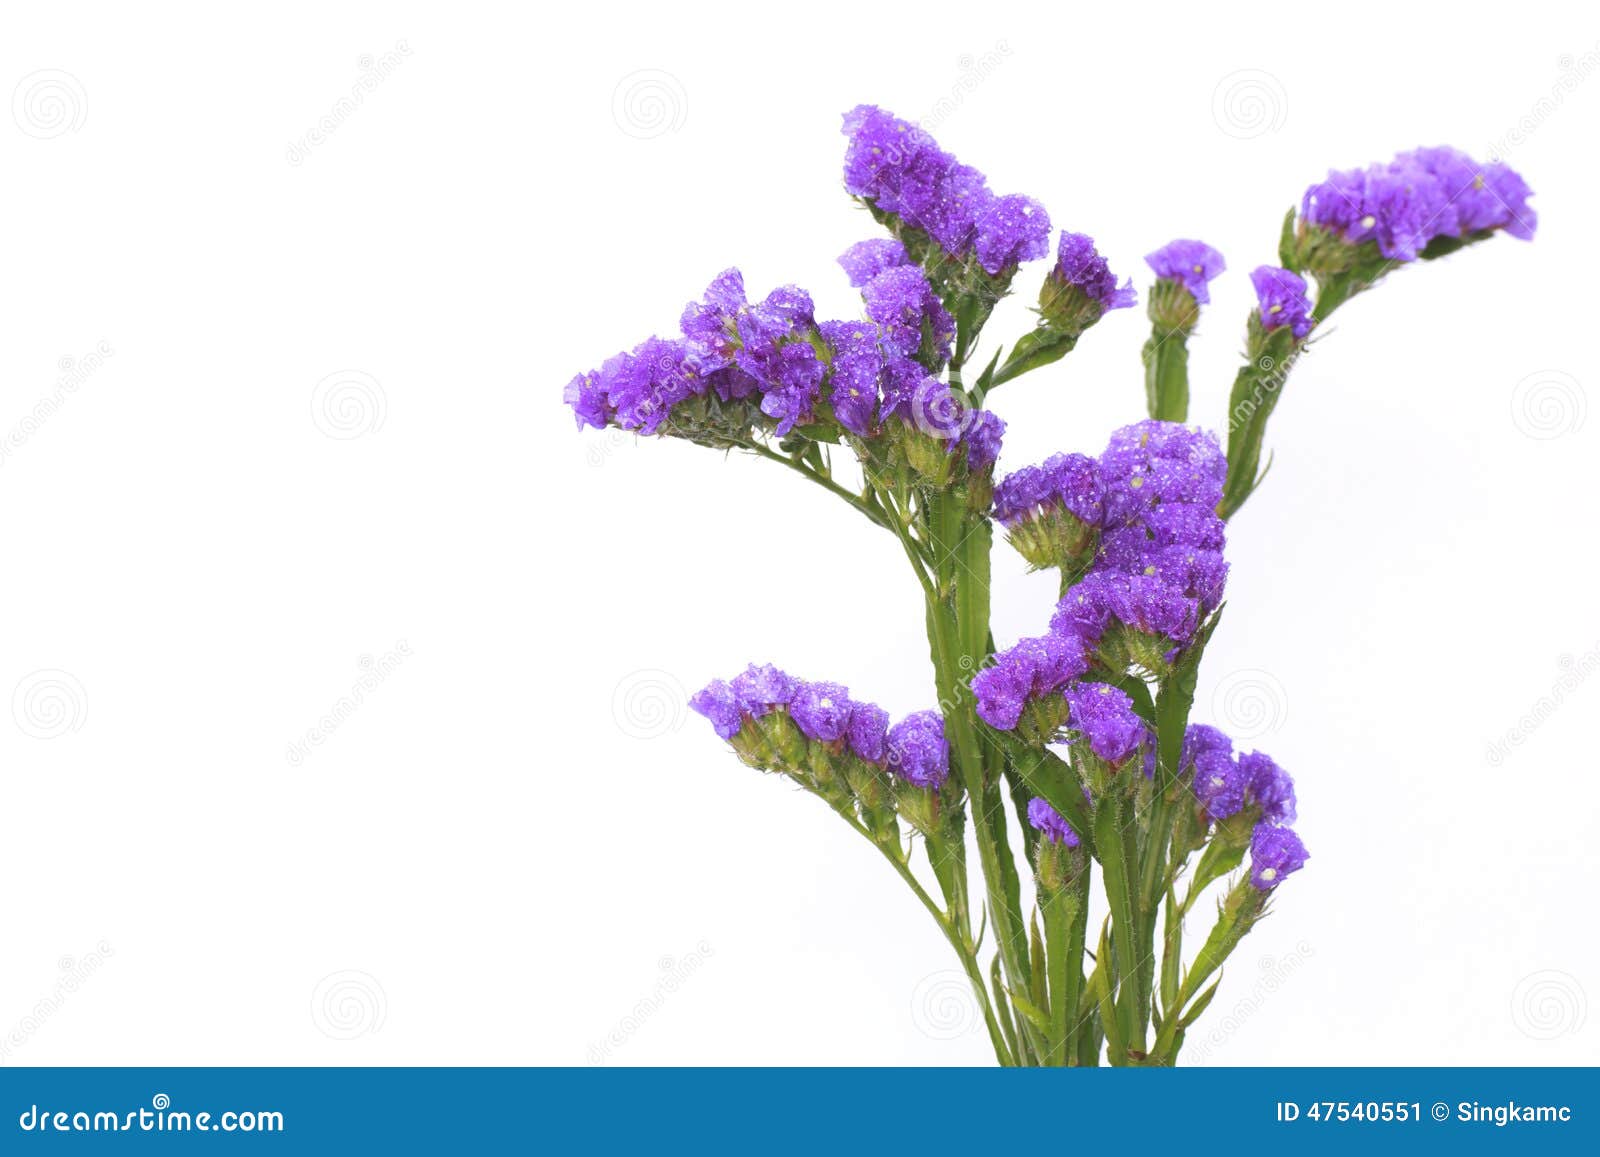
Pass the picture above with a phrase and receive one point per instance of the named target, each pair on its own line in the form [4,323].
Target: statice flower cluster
[921,191]
[1081,735]
[778,722]
[1159,570]
[1420,196]
[1251,786]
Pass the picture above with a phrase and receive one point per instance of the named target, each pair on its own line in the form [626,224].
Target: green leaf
[1199,1006]
[1036,1016]
[1048,775]
[1175,701]
[1287,249]
[1100,989]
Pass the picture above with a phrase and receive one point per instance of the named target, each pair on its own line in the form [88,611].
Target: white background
[520,848]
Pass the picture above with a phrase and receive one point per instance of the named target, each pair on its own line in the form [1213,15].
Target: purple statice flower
[586,395]
[898,383]
[792,385]
[937,411]
[718,703]
[918,752]
[1104,718]
[868,731]
[982,437]
[1031,669]
[1199,574]
[1186,524]
[1217,780]
[1079,264]
[1399,207]
[891,162]
[1151,462]
[853,373]
[710,326]
[1071,481]
[1142,602]
[902,303]
[1010,230]
[1282,299]
[1202,739]
[1193,264]
[642,387]
[1420,195]
[1048,822]
[1085,612]
[1219,784]
[1275,852]
[1492,196]
[1270,786]
[821,710]
[760,689]
[866,259]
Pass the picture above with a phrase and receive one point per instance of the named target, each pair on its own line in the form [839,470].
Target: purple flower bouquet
[1070,756]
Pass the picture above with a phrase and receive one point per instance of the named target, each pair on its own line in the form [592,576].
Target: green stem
[1166,376]
[873,512]
[969,959]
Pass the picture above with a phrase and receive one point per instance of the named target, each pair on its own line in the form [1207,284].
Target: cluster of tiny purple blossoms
[1227,785]
[914,749]
[1141,522]
[1420,196]
[901,171]
[774,352]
